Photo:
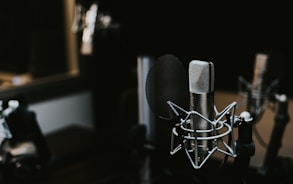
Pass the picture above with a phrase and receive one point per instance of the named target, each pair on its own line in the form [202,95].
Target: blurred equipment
[145,115]
[88,19]
[282,118]
[25,154]
[258,92]
[4,129]
[257,96]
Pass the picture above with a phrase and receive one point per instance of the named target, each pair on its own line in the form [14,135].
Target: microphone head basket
[182,136]
[256,101]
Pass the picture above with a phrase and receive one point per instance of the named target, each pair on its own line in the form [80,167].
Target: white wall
[57,113]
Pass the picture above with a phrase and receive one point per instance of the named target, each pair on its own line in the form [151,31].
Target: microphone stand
[281,120]
[245,147]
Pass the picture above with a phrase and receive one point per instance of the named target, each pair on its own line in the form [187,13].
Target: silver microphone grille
[201,77]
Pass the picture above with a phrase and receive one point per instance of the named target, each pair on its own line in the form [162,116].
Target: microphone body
[201,87]
[258,95]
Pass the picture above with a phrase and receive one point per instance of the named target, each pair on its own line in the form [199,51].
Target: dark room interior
[93,51]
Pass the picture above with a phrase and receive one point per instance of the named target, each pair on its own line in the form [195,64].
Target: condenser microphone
[258,94]
[201,88]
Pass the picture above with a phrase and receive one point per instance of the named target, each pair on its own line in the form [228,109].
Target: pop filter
[167,80]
